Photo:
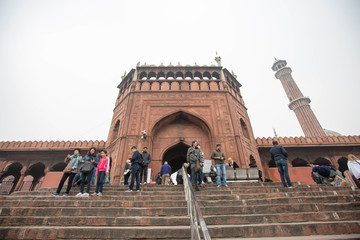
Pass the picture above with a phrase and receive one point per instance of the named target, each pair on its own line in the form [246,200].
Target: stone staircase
[155,212]
[243,210]
[268,210]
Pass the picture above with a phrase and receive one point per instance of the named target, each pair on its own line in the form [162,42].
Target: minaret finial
[275,134]
[218,59]
[275,58]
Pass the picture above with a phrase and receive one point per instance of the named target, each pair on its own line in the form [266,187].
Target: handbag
[339,182]
[197,167]
[86,167]
[68,170]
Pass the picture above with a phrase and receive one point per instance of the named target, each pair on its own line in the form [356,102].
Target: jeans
[62,181]
[143,170]
[93,176]
[85,177]
[77,177]
[283,169]
[221,167]
[201,176]
[100,181]
[135,171]
[194,176]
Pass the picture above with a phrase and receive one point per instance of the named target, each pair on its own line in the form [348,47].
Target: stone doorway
[176,156]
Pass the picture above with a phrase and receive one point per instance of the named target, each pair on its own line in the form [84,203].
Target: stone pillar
[22,172]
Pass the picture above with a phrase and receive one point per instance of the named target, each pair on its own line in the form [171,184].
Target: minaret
[298,103]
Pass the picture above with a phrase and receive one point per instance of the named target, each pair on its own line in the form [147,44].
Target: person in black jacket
[279,155]
[144,168]
[135,170]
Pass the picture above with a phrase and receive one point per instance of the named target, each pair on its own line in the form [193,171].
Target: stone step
[85,232]
[312,237]
[276,208]
[180,232]
[94,221]
[208,192]
[127,197]
[270,190]
[91,203]
[280,200]
[284,229]
[238,196]
[100,202]
[81,211]
[105,192]
[242,219]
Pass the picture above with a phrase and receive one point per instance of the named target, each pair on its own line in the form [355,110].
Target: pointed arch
[178,115]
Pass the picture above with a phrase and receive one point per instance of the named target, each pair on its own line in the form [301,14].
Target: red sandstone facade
[176,105]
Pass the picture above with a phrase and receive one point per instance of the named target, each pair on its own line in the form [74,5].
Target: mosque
[165,108]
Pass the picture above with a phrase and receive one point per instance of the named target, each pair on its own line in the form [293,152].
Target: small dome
[330,133]
[278,64]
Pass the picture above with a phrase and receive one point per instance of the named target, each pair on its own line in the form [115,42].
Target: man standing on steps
[219,158]
[279,155]
[147,159]
[165,173]
[135,170]
[193,157]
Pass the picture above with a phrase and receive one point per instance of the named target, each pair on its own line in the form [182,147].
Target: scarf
[76,161]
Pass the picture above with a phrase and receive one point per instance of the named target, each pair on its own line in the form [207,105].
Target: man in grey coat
[193,156]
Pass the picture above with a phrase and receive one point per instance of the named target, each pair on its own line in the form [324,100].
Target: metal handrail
[194,211]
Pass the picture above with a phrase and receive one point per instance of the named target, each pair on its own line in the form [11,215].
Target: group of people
[84,168]
[321,174]
[195,160]
[137,165]
[143,166]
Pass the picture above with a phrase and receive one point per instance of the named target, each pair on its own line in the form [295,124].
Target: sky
[61,61]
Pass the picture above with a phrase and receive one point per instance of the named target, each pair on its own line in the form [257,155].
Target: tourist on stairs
[279,155]
[69,172]
[101,171]
[219,158]
[193,157]
[86,169]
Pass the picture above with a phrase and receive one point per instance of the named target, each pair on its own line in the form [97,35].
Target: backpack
[141,160]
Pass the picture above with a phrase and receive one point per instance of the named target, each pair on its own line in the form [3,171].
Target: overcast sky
[61,61]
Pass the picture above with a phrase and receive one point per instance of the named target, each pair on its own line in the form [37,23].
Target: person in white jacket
[354,166]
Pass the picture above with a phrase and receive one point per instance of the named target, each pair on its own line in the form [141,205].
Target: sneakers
[79,194]
[129,190]
[219,186]
[99,194]
[144,183]
[291,187]
[226,185]
[55,194]
[65,194]
[94,194]
[85,195]
[138,190]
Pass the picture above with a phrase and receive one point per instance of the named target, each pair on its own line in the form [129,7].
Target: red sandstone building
[175,105]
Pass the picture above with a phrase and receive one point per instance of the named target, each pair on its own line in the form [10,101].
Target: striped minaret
[298,103]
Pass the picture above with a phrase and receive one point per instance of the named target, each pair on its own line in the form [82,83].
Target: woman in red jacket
[101,171]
